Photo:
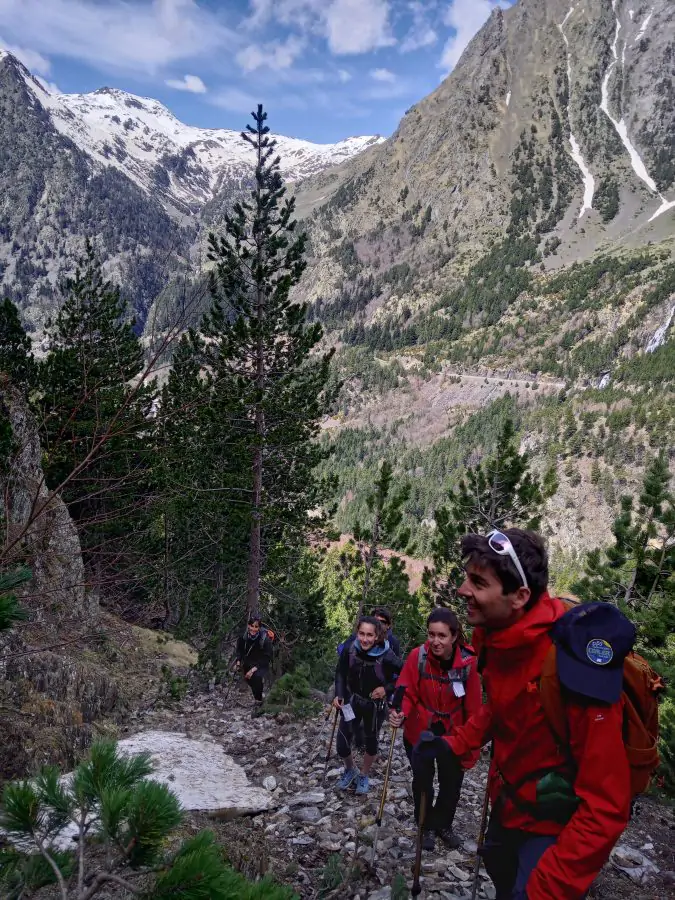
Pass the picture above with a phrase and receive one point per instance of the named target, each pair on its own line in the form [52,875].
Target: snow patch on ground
[620,125]
[199,772]
[643,27]
[665,206]
[659,337]
[604,381]
[508,98]
[575,151]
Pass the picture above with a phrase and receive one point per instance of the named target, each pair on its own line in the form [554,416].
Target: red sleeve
[472,707]
[567,869]
[474,693]
[466,740]
[409,678]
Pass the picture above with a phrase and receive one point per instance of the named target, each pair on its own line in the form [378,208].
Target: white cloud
[349,26]
[191,83]
[31,59]
[276,55]
[465,17]
[49,86]
[421,33]
[344,76]
[235,100]
[116,34]
[358,26]
[382,75]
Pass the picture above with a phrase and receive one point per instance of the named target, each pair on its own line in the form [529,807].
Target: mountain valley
[508,250]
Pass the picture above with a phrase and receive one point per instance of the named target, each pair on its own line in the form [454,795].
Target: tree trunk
[255,546]
[371,556]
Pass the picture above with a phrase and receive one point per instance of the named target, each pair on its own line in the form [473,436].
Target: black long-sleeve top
[254,652]
[359,673]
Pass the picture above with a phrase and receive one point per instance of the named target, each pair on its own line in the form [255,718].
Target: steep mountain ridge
[185,164]
[52,197]
[508,253]
[122,170]
[557,121]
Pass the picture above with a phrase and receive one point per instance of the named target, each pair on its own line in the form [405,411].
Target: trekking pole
[395,705]
[330,744]
[416,890]
[481,839]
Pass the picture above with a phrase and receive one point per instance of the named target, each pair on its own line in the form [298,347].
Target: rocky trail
[320,840]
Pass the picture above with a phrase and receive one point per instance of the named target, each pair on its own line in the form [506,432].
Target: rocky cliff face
[558,121]
[38,531]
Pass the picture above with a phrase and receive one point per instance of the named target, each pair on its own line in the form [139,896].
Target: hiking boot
[257,709]
[362,785]
[429,840]
[450,839]
[349,776]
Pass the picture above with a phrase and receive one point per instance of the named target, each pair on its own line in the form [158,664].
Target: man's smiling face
[486,602]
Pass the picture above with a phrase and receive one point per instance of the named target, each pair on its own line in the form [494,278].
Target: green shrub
[291,693]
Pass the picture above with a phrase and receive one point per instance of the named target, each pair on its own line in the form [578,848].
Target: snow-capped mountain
[186,165]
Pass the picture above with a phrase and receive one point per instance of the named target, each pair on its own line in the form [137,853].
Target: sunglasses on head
[499,543]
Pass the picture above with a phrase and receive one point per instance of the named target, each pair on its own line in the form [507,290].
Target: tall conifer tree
[16,354]
[95,421]
[498,492]
[260,353]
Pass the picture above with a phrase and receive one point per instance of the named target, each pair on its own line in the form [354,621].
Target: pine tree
[16,354]
[94,420]
[123,822]
[499,492]
[384,528]
[260,355]
[595,472]
[637,572]
[10,609]
[201,521]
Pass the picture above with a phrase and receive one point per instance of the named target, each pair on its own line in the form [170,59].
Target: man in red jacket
[556,811]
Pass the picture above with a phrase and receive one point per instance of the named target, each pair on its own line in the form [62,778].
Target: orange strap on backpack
[641,687]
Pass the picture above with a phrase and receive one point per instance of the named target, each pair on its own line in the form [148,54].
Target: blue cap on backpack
[592,641]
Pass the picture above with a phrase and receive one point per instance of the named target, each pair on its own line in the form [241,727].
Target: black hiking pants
[511,855]
[257,682]
[441,814]
[366,727]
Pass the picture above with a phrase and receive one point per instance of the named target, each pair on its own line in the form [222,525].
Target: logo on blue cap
[599,652]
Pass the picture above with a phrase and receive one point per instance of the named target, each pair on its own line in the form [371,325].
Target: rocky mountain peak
[183,165]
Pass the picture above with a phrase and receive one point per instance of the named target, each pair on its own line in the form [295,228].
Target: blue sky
[325,69]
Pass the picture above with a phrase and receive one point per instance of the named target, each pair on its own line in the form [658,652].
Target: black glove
[428,748]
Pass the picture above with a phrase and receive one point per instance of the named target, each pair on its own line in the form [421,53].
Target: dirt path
[316,830]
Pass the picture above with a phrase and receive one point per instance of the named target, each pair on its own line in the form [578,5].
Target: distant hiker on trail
[382,614]
[364,677]
[442,691]
[254,656]
[559,805]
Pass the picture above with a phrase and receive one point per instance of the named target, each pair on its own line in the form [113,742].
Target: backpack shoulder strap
[421,661]
[550,694]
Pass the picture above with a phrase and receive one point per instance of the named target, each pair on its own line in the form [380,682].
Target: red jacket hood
[515,640]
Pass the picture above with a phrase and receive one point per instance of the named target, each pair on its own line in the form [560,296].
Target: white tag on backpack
[348,712]
[458,688]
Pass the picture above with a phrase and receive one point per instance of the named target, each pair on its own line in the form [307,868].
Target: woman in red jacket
[442,691]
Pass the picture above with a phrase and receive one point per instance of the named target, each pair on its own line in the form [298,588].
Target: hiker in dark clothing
[365,676]
[382,614]
[254,656]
